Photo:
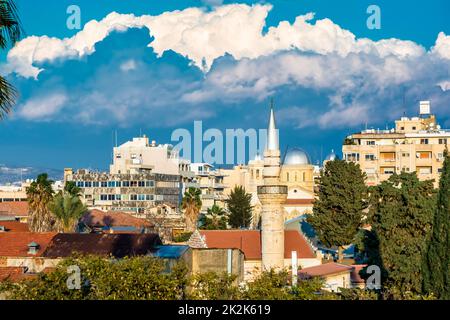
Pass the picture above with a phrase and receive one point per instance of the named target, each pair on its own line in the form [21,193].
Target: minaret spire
[272,132]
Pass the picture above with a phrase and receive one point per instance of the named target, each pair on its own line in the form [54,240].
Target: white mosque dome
[296,156]
[331,156]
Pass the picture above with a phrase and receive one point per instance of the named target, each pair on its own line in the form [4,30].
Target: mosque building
[296,172]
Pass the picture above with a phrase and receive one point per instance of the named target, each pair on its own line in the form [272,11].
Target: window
[149,183]
[351,156]
[405,169]
[133,156]
[141,183]
[126,184]
[118,156]
[442,141]
[118,197]
[440,170]
[133,197]
[80,184]
[370,157]
[423,155]
[424,141]
[141,197]
[111,197]
[118,183]
[104,184]
[402,128]
[103,197]
[405,155]
[88,184]
[370,143]
[149,197]
[133,183]
[388,170]
[95,184]
[414,128]
[111,184]
[425,170]
[387,156]
[287,176]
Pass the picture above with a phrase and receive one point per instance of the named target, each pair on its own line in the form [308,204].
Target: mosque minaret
[272,195]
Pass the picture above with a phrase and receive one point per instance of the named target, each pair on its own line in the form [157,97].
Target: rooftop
[14,208]
[249,241]
[116,245]
[14,226]
[15,244]
[325,270]
[98,218]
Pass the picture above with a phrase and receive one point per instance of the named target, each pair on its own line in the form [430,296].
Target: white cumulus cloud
[203,35]
[43,108]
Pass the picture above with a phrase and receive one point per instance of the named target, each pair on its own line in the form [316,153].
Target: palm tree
[191,204]
[67,209]
[40,194]
[215,219]
[10,33]
[72,189]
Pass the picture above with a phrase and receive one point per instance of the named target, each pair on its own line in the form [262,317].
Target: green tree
[338,211]
[214,286]
[72,189]
[239,208]
[401,213]
[68,209]
[138,278]
[191,204]
[10,33]
[437,260]
[215,219]
[39,195]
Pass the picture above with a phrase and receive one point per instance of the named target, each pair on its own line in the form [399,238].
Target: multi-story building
[137,192]
[415,145]
[210,182]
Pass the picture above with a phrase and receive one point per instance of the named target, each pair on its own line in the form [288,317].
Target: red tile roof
[117,245]
[98,218]
[324,270]
[15,244]
[11,273]
[355,275]
[14,208]
[249,241]
[14,226]
[299,202]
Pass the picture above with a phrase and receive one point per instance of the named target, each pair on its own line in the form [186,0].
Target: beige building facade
[416,144]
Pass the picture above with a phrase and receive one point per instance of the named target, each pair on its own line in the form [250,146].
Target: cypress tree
[240,208]
[401,211]
[436,264]
[338,211]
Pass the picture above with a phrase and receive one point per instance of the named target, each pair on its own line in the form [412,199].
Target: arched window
[287,176]
[304,176]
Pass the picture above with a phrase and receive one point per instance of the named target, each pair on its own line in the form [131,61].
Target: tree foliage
[71,188]
[436,268]
[68,209]
[192,204]
[147,278]
[342,197]
[215,219]
[239,208]
[39,195]
[10,33]
[401,213]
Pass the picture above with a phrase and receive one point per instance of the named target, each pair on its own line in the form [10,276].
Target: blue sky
[329,74]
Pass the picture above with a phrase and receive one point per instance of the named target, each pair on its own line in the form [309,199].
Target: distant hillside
[15,174]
